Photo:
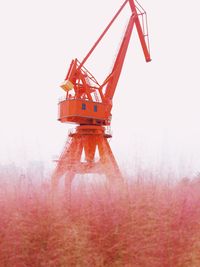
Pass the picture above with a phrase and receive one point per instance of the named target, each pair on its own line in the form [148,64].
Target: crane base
[79,156]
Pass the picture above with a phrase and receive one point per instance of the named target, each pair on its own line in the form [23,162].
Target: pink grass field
[143,224]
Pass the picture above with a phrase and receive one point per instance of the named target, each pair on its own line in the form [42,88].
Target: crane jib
[88,101]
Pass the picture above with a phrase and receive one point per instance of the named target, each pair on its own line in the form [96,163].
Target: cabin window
[83,106]
[95,108]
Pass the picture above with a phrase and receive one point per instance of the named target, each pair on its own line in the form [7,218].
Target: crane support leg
[88,139]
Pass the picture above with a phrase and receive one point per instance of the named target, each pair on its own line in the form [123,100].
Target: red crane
[89,104]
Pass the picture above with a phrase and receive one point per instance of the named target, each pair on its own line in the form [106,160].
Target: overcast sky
[156,106]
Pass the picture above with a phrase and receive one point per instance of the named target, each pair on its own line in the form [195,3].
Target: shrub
[143,224]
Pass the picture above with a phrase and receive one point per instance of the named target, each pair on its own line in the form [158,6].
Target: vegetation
[143,224]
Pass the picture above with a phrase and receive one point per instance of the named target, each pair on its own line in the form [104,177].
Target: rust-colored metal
[81,86]
[88,103]
[92,140]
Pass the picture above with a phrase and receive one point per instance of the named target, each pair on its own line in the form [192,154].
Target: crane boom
[117,68]
[140,31]
[103,34]
[88,102]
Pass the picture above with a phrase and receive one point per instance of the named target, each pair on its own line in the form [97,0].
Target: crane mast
[88,104]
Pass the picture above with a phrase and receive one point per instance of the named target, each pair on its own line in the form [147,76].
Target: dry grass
[145,224]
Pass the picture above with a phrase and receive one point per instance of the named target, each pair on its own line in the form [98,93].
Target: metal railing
[63,98]
[107,131]
[143,14]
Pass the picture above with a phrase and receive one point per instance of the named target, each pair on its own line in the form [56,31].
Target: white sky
[156,106]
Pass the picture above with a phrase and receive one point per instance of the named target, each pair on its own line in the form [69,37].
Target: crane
[88,104]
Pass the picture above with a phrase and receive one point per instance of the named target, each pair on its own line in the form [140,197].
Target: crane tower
[88,104]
